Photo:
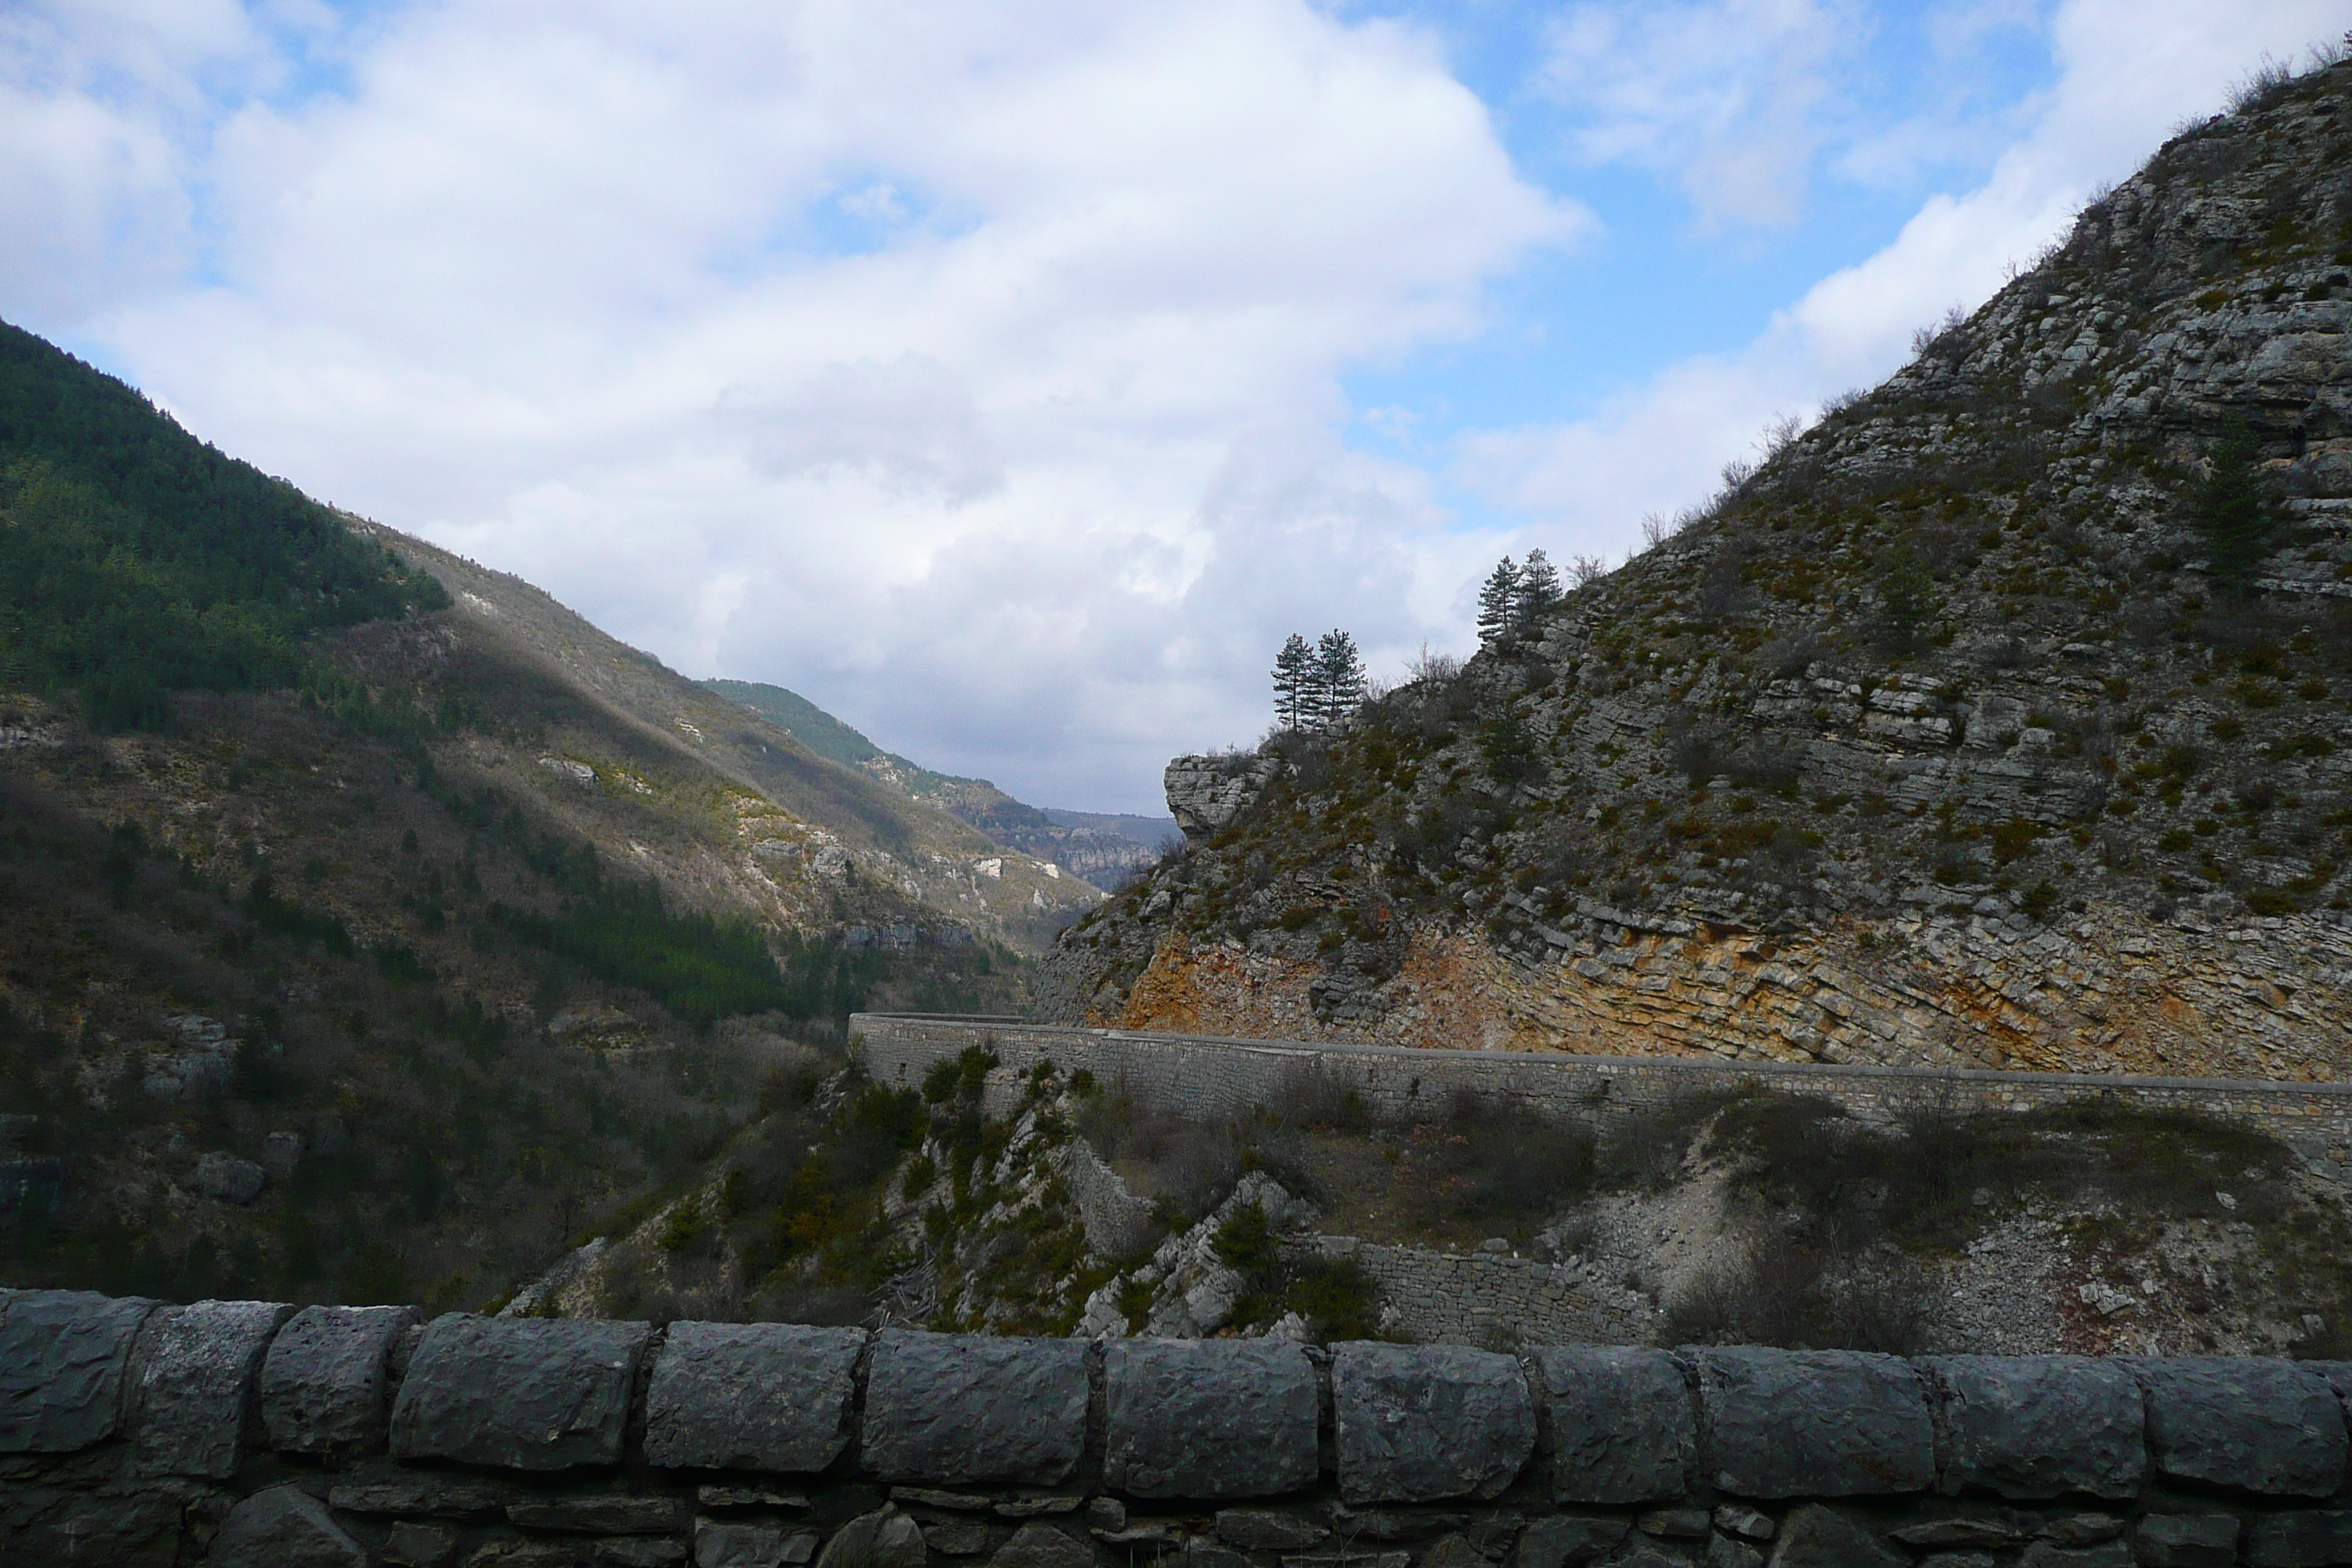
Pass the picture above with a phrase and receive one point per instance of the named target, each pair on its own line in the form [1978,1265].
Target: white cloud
[2129,69]
[976,369]
[1725,97]
[1027,469]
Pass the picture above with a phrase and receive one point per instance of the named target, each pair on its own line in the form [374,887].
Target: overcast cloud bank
[979,371]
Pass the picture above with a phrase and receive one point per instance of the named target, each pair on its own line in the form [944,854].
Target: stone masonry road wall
[247,1434]
[1206,1076]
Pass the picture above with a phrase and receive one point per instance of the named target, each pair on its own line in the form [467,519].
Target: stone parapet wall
[247,1434]
[1206,1076]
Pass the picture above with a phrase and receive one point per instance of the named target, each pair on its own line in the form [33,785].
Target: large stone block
[721,1544]
[883,1539]
[750,1396]
[192,1377]
[283,1527]
[524,1393]
[1036,1546]
[2300,1538]
[1208,1419]
[2267,1426]
[1784,1423]
[383,1487]
[1818,1537]
[63,1357]
[1622,1430]
[957,1408]
[69,1526]
[1415,1423]
[326,1382]
[2187,1541]
[1569,1541]
[2040,1426]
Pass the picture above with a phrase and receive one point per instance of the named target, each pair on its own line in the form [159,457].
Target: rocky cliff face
[2003,717]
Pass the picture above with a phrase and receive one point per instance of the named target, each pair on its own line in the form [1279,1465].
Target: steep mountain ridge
[1097,846]
[1999,717]
[820,823]
[369,921]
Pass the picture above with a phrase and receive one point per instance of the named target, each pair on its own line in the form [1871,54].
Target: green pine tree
[1339,679]
[1498,603]
[1293,675]
[1537,595]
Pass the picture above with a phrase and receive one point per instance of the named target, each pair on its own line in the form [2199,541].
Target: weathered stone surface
[1785,1423]
[952,1408]
[1674,1524]
[41,1524]
[1966,1531]
[63,1357]
[932,1497]
[883,1539]
[750,1497]
[386,1488]
[722,1545]
[2050,1554]
[635,1552]
[2300,1538]
[1453,1551]
[283,1527]
[2187,1540]
[1344,1559]
[1201,1553]
[2040,1426]
[1036,1546]
[1032,1507]
[1569,1539]
[965,1537]
[1818,1537]
[1208,1419]
[2082,1529]
[602,1514]
[1267,1529]
[520,1554]
[409,1544]
[2268,1427]
[1622,1430]
[750,1396]
[1416,1423]
[1644,1555]
[325,1384]
[1736,1518]
[192,1374]
[523,1394]
[1728,1552]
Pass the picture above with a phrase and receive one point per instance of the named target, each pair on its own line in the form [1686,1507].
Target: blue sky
[1010,378]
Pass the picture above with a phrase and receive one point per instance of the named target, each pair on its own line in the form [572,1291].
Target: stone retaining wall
[1205,1075]
[247,1434]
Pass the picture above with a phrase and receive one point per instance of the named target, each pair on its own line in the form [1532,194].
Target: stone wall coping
[1383,1424]
[1542,1060]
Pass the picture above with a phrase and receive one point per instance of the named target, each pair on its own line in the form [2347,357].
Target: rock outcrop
[2002,718]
